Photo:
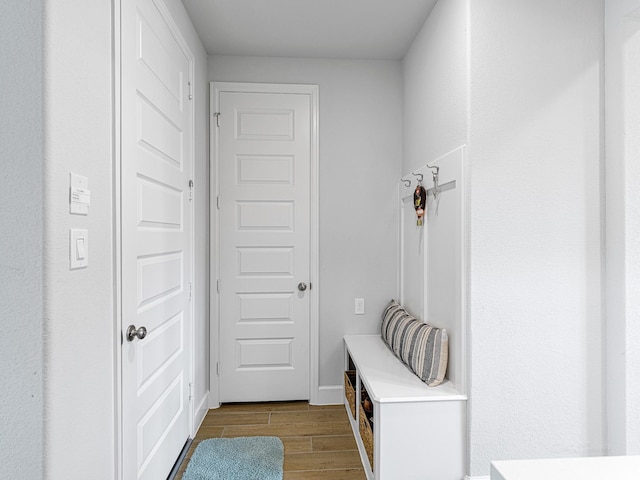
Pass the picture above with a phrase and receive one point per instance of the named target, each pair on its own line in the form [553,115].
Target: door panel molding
[312,91]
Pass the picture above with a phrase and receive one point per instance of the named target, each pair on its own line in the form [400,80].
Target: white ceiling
[367,29]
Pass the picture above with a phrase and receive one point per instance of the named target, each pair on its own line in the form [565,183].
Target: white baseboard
[330,395]
[326,395]
[201,411]
[467,477]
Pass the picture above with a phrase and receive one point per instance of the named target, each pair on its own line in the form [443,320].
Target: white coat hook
[419,176]
[407,182]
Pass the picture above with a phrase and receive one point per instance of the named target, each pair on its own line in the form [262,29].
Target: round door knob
[302,286]
[133,332]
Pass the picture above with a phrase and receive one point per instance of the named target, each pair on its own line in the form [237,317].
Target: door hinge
[190,190]
[190,391]
[218,368]
[190,291]
[218,202]
[217,115]
[190,91]
[218,286]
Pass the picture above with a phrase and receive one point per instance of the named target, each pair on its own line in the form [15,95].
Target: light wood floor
[318,442]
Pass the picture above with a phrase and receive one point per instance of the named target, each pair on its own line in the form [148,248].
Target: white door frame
[117,219]
[314,305]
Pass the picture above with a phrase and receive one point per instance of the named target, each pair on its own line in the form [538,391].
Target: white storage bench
[586,468]
[416,432]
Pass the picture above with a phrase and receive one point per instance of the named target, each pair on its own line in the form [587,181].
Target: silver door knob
[302,286]
[133,332]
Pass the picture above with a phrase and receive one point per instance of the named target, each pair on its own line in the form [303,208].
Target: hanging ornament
[420,202]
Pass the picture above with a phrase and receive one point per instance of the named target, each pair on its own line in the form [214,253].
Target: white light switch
[78,248]
[359,310]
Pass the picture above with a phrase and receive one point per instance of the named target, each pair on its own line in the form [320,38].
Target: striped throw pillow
[422,347]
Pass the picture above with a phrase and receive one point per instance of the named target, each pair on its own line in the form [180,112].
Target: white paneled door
[264,148]
[156,239]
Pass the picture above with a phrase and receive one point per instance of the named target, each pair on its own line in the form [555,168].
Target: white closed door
[156,238]
[264,180]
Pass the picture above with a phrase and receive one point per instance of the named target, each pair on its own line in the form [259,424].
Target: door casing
[315,394]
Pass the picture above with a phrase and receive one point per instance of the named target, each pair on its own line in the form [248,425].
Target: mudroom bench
[404,429]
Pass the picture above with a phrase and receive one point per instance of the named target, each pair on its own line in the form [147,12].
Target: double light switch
[79,201]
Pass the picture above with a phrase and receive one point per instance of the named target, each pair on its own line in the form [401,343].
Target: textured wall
[535,150]
[435,87]
[80,331]
[623,221]
[360,158]
[21,263]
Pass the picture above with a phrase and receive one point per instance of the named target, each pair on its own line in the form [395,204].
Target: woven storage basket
[350,390]
[366,434]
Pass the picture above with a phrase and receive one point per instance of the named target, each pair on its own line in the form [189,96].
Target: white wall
[446,262]
[360,159]
[80,329]
[434,257]
[80,337]
[535,151]
[623,220]
[521,83]
[435,123]
[435,86]
[21,213]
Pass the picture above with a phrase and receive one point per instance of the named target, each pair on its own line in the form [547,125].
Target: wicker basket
[350,390]
[366,434]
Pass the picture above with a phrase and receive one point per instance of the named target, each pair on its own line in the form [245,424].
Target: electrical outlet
[359,307]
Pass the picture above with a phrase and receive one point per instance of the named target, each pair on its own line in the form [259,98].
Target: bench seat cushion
[422,347]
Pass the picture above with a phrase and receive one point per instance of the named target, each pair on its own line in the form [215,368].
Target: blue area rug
[242,458]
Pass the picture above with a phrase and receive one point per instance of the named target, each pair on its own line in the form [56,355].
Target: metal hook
[407,182]
[419,176]
[436,168]
[435,189]
[435,174]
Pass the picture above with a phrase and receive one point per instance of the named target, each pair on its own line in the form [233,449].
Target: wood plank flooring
[318,442]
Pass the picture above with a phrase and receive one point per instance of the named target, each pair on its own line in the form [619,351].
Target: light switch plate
[359,306]
[79,194]
[78,248]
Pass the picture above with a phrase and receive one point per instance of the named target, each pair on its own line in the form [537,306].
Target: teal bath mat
[242,458]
